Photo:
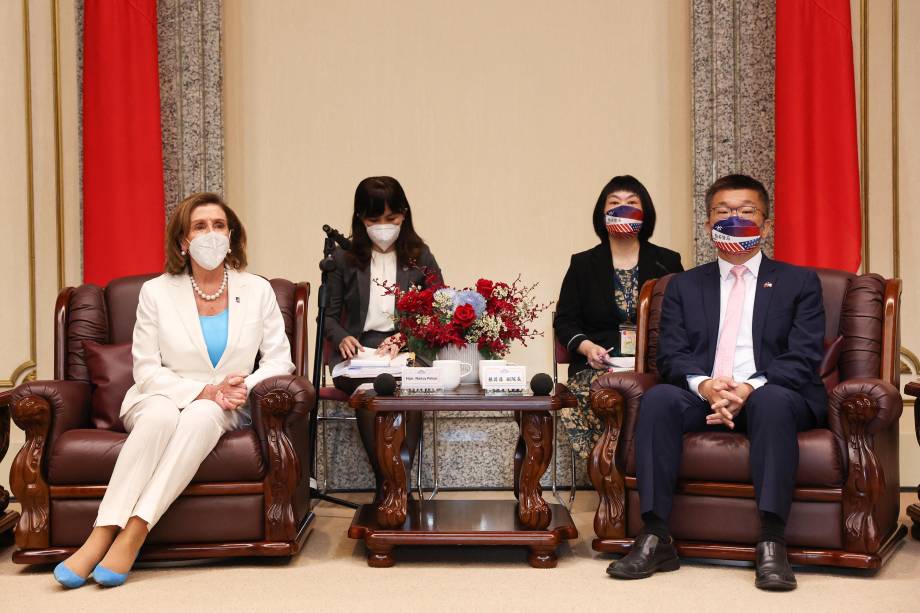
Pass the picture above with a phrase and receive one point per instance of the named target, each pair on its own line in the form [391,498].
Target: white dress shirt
[380,306]
[744,365]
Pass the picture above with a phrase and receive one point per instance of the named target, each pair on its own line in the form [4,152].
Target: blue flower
[472,298]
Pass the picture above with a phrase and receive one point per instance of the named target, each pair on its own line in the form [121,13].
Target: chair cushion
[87,457]
[725,457]
[111,371]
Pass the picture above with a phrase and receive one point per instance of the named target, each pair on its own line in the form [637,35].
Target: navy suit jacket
[788,328]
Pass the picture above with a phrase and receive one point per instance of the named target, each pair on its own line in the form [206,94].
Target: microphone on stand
[337,236]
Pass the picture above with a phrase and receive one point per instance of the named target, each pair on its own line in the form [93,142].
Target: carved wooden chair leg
[609,520]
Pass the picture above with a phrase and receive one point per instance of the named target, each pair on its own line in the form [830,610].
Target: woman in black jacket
[596,312]
[384,248]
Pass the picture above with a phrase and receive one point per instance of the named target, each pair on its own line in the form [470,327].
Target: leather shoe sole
[775,584]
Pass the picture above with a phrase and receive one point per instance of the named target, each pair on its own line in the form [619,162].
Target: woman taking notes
[199,328]
[385,249]
[596,312]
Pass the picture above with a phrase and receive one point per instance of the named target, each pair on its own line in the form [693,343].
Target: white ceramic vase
[469,354]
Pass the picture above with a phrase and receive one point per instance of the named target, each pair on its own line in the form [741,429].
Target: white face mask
[210,249]
[383,234]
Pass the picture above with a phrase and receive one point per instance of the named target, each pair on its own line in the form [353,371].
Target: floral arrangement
[492,315]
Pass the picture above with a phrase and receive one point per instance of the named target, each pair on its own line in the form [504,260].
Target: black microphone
[337,236]
[541,384]
[385,384]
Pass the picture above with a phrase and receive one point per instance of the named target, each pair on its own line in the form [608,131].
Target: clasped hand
[229,394]
[726,397]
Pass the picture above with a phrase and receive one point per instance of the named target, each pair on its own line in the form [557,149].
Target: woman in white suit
[199,328]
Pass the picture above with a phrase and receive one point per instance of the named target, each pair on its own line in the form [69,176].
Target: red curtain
[817,210]
[123,210]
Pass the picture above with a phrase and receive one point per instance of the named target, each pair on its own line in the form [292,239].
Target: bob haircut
[625,183]
[181,220]
[372,196]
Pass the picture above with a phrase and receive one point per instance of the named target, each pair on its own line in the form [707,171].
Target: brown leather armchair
[913,511]
[251,496]
[7,518]
[845,506]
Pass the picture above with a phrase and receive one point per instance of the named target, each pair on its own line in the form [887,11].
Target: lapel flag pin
[767,284]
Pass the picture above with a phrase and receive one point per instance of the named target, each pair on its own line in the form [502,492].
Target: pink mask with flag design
[735,235]
[623,221]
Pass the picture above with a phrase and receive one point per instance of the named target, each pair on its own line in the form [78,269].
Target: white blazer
[170,355]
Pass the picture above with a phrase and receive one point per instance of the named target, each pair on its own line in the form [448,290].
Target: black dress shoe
[648,555]
[773,570]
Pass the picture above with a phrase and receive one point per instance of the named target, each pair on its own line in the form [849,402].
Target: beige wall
[43,185]
[892,190]
[502,120]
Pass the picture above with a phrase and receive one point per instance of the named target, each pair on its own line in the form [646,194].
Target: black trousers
[772,417]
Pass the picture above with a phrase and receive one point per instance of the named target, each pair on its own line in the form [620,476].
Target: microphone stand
[327,265]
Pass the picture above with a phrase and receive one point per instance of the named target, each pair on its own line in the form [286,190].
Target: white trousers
[164,450]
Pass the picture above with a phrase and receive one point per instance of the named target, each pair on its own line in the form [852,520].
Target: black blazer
[788,328]
[587,308]
[349,293]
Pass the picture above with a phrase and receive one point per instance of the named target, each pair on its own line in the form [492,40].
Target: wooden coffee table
[529,521]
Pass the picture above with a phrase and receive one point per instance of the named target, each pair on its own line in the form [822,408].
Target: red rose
[464,316]
[485,287]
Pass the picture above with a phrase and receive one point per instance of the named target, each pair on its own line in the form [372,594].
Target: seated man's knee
[662,400]
[771,404]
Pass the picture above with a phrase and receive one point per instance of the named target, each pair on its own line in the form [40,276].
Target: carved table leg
[609,520]
[537,434]
[390,429]
[542,558]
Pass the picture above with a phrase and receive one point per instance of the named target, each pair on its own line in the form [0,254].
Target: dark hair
[738,182]
[625,183]
[177,259]
[372,196]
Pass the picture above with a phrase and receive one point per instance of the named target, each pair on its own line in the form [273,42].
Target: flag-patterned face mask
[623,221]
[736,235]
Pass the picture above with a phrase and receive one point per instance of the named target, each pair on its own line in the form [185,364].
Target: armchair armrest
[615,400]
[863,414]
[281,416]
[44,409]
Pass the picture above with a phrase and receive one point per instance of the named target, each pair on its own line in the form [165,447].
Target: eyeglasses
[746,212]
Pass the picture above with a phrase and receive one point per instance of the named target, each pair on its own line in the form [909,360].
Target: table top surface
[464,398]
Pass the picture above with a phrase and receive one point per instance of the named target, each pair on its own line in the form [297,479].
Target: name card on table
[421,379]
[504,378]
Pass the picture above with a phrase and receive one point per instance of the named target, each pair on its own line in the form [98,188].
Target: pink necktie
[728,339]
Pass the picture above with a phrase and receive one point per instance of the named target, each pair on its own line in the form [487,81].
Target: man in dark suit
[740,343]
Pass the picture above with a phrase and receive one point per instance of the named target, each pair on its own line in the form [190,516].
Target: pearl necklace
[210,297]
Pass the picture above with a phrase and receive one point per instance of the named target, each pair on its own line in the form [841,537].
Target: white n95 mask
[383,234]
[210,249]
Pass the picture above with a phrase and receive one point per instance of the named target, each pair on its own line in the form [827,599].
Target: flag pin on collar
[768,284]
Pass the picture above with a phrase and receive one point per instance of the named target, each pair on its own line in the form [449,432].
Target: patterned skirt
[580,422]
